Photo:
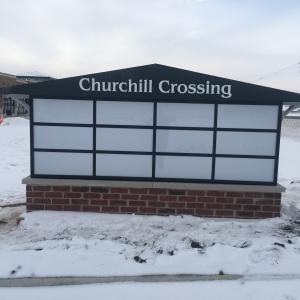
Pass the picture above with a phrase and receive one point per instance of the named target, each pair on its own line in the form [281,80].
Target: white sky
[239,39]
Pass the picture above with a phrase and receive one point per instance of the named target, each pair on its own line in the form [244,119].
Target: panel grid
[130,151]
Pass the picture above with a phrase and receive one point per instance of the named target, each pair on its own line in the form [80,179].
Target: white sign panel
[63,111]
[57,163]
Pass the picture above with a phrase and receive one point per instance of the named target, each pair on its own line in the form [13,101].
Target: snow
[33,74]
[236,290]
[14,162]
[67,243]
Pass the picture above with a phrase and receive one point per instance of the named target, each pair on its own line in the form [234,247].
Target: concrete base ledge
[147,184]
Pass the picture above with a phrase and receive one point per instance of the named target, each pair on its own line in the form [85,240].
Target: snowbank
[14,161]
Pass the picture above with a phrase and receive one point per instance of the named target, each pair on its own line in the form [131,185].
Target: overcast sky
[238,39]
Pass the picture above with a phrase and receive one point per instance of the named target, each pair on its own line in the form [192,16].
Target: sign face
[90,84]
[164,141]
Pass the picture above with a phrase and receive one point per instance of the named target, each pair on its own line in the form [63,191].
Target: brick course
[202,203]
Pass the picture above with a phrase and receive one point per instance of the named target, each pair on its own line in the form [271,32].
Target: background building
[9,106]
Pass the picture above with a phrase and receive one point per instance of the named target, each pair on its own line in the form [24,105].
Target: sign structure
[155,123]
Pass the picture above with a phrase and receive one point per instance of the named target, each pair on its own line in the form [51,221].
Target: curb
[72,280]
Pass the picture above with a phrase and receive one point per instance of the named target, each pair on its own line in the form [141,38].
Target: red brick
[272,195]
[224,213]
[195,205]
[156,204]
[206,199]
[118,202]
[111,196]
[149,197]
[119,190]
[271,208]
[234,194]
[72,208]
[130,197]
[80,188]
[34,194]
[137,203]
[253,195]
[28,187]
[157,191]
[260,214]
[42,188]
[29,200]
[99,202]
[177,192]
[168,198]
[60,201]
[79,201]
[277,201]
[176,204]
[35,207]
[110,209]
[224,200]
[245,214]
[264,201]
[214,206]
[91,195]
[215,193]
[138,191]
[276,214]
[98,189]
[129,209]
[72,195]
[187,198]
[53,194]
[166,211]
[244,201]
[91,208]
[252,207]
[233,206]
[196,193]
[204,212]
[147,210]
[185,211]
[41,200]
[61,188]
[54,207]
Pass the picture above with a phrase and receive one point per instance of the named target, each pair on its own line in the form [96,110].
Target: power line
[277,71]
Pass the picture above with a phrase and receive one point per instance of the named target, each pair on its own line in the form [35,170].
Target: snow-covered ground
[55,243]
[14,159]
[278,290]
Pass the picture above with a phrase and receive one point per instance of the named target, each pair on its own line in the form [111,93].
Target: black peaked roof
[241,91]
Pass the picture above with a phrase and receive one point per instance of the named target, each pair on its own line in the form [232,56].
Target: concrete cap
[149,184]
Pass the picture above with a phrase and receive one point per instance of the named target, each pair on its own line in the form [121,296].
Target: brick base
[156,201]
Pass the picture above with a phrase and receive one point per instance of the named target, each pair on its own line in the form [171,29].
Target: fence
[12,108]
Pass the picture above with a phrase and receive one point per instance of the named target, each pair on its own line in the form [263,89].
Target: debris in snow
[13,272]
[197,245]
[159,251]
[139,259]
[279,244]
[19,220]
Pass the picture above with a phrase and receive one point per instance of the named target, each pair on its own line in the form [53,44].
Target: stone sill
[147,184]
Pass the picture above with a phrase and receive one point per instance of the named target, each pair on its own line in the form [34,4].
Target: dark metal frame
[154,128]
